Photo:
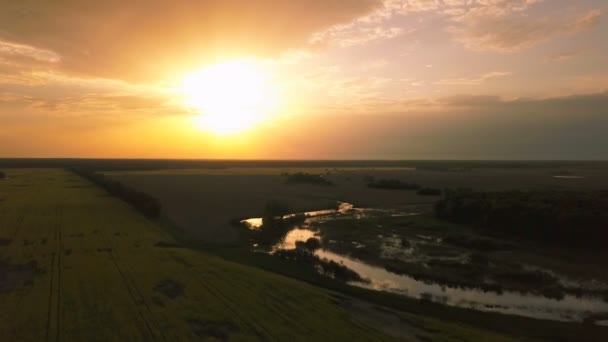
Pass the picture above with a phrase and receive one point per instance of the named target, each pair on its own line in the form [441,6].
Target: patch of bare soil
[219,330]
[15,276]
[170,288]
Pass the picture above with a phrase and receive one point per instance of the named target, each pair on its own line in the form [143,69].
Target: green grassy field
[79,265]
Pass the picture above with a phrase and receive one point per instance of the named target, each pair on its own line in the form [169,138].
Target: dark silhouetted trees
[302,177]
[573,218]
[311,245]
[392,184]
[304,254]
[274,224]
[144,203]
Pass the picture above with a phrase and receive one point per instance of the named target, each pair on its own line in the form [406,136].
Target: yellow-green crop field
[78,265]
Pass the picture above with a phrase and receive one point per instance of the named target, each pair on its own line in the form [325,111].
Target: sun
[230,97]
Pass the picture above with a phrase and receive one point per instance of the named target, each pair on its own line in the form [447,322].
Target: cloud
[140,40]
[24,64]
[450,8]
[499,25]
[595,103]
[480,30]
[374,64]
[352,35]
[102,103]
[8,49]
[475,80]
[462,127]
[563,56]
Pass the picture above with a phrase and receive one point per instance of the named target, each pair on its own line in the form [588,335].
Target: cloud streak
[511,33]
[475,80]
[142,40]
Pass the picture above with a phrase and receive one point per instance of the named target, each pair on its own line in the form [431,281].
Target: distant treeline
[567,217]
[144,203]
[162,164]
[395,184]
[304,177]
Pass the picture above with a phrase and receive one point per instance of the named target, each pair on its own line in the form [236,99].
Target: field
[204,201]
[79,265]
[76,264]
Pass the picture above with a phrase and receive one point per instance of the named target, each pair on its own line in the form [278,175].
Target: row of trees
[567,217]
[144,203]
[395,184]
[304,177]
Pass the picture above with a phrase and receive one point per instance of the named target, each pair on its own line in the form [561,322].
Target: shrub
[310,245]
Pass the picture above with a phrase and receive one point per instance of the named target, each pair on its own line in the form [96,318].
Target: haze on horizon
[299,79]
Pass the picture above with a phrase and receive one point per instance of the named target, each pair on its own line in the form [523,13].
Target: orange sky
[356,79]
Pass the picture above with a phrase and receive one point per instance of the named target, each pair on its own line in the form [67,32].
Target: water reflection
[256,222]
[570,308]
[295,235]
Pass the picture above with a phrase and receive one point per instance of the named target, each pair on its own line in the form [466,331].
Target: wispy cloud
[510,33]
[563,56]
[10,49]
[355,35]
[144,41]
[473,80]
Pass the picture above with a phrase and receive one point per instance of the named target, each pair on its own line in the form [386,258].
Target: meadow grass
[100,275]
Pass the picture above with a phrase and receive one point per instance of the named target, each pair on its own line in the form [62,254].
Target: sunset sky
[300,79]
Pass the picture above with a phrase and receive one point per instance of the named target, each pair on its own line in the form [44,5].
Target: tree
[273,214]
[2,175]
[274,225]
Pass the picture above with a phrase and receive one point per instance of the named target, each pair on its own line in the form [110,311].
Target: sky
[318,79]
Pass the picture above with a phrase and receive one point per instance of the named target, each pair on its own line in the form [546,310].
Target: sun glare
[230,97]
